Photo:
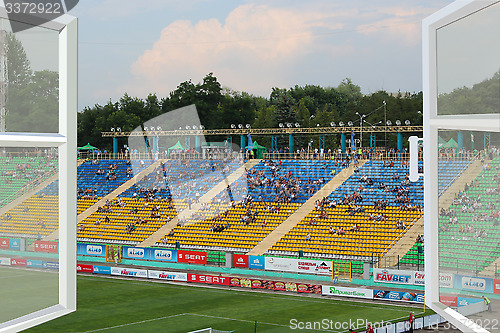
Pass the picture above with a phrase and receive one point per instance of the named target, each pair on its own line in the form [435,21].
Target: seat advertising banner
[192,257]
[81,268]
[15,244]
[94,250]
[240,260]
[132,272]
[256,262]
[209,279]
[168,276]
[347,292]
[318,267]
[45,246]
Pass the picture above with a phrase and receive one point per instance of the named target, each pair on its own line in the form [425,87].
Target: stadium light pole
[361,116]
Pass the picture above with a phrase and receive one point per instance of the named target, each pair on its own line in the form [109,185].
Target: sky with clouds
[142,47]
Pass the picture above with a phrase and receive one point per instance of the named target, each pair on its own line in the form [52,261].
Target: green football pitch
[118,305]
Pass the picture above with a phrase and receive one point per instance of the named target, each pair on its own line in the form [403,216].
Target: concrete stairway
[302,211]
[491,269]
[406,241]
[206,198]
[92,209]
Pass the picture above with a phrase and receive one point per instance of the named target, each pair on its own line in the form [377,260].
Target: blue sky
[140,47]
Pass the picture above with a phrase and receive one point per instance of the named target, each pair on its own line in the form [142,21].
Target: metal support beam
[487,140]
[460,140]
[321,142]
[400,142]
[343,143]
[290,144]
[115,147]
[274,143]
[187,142]
[242,142]
[373,141]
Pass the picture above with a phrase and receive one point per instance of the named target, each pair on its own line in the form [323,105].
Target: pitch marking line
[135,323]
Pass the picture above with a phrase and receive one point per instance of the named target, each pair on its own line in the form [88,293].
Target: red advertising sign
[449,300]
[18,262]
[496,286]
[84,268]
[4,243]
[192,257]
[44,246]
[308,288]
[279,286]
[240,260]
[209,279]
[234,282]
[258,284]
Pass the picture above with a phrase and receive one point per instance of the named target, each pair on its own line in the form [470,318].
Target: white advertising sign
[140,273]
[169,276]
[347,292]
[299,265]
[5,261]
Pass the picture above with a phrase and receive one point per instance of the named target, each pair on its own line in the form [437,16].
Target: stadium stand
[21,174]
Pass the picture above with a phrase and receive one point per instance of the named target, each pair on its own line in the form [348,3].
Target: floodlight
[389,123]
[398,122]
[407,122]
[350,123]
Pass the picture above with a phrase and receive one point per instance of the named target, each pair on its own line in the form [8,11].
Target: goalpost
[342,271]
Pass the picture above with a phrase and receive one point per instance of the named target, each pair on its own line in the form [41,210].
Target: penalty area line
[135,323]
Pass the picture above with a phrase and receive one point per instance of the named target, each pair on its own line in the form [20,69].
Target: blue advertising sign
[464,301]
[95,250]
[398,296]
[34,263]
[50,265]
[129,252]
[15,244]
[471,283]
[256,262]
[102,270]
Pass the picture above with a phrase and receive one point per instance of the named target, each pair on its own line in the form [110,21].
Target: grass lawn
[114,305]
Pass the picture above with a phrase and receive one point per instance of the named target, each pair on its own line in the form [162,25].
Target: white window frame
[65,140]
[432,124]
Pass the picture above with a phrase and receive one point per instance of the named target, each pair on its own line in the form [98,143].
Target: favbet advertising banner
[95,250]
[318,267]
[139,273]
[347,292]
[208,279]
[393,276]
[168,276]
[398,296]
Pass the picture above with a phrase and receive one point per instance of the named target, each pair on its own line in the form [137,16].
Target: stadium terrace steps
[490,270]
[206,198]
[92,209]
[29,194]
[303,210]
[404,243]
[466,177]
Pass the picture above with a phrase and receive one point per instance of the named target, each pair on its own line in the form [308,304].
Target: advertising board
[192,257]
[34,263]
[451,301]
[398,296]
[15,244]
[4,243]
[50,265]
[256,262]
[84,268]
[318,267]
[393,276]
[496,286]
[347,292]
[45,246]
[95,250]
[132,272]
[208,279]
[18,262]
[168,276]
[5,261]
[471,283]
[140,253]
[240,260]
[101,270]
